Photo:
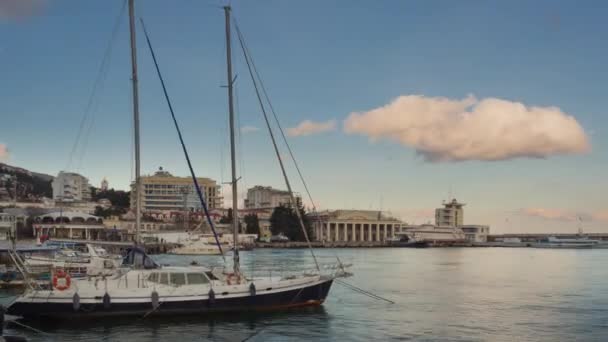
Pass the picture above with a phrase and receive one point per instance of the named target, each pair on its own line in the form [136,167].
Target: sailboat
[142,287]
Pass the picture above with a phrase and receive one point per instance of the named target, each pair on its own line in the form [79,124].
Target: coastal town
[303,171]
[76,210]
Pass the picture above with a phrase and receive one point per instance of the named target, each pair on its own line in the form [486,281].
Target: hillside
[31,186]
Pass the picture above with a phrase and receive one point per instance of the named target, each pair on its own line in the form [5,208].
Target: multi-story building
[451,215]
[354,225]
[70,187]
[165,192]
[8,226]
[262,197]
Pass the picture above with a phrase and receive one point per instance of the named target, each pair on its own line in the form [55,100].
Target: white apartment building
[8,226]
[261,197]
[451,215]
[70,187]
[165,192]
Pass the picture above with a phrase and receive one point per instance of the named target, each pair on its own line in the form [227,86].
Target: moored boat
[565,243]
[144,288]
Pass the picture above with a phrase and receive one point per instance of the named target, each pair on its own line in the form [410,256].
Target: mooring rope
[362,291]
[28,327]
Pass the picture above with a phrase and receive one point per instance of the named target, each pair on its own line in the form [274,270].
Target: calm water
[459,294]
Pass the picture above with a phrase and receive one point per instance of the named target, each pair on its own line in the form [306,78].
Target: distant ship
[577,242]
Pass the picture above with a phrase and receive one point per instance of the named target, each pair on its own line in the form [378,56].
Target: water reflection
[497,294]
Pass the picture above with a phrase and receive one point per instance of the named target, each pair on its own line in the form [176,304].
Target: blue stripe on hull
[311,295]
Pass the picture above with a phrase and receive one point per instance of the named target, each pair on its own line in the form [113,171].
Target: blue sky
[320,61]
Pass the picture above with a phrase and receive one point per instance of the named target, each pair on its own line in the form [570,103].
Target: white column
[377,232]
[353,231]
[361,236]
[326,235]
[337,232]
[369,232]
[385,232]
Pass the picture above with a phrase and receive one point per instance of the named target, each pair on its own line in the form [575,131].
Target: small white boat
[200,245]
[95,261]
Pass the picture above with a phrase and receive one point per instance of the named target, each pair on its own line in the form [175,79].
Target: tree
[252,224]
[118,198]
[285,220]
[112,211]
[227,218]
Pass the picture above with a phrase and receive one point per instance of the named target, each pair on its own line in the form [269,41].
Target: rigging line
[181,139]
[98,79]
[276,150]
[239,136]
[276,118]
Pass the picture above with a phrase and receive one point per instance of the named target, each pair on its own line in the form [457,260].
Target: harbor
[416,280]
[330,171]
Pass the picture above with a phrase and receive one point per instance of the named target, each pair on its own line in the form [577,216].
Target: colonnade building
[354,225]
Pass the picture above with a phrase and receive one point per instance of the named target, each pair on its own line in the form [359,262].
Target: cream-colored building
[261,197]
[354,225]
[165,192]
[451,215]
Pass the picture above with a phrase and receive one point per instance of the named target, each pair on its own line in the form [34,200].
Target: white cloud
[442,129]
[249,129]
[565,215]
[19,8]
[3,152]
[308,127]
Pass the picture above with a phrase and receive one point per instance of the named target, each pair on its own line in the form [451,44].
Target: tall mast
[135,119]
[235,200]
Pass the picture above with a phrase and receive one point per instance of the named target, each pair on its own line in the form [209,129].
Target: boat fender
[76,302]
[211,296]
[155,302]
[252,289]
[106,301]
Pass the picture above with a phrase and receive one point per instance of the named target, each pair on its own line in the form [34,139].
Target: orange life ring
[61,280]
[232,279]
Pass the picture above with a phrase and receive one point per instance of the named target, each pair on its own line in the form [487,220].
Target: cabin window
[178,279]
[197,278]
[164,278]
[211,276]
[153,277]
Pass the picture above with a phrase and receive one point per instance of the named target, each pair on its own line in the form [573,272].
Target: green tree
[119,198]
[285,220]
[227,218]
[252,224]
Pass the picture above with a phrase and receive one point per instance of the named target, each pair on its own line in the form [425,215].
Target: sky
[388,105]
